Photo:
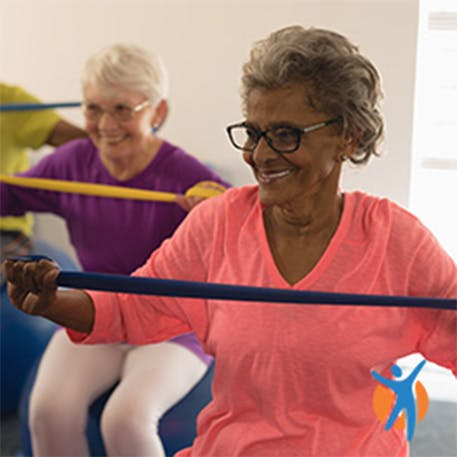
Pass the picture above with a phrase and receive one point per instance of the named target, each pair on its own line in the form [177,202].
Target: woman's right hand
[32,285]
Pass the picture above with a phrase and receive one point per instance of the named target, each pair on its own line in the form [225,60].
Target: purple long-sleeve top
[109,235]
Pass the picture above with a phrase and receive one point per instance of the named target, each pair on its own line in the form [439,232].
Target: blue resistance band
[191,289]
[37,106]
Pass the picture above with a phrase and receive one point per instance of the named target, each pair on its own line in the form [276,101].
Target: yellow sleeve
[25,129]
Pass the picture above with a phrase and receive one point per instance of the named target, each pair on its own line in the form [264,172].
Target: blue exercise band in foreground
[37,106]
[189,289]
[193,289]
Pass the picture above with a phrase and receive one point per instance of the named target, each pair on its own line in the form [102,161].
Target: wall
[43,45]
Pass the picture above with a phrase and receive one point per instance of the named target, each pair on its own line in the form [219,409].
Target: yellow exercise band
[103,190]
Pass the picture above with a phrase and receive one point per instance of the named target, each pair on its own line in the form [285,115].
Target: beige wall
[44,43]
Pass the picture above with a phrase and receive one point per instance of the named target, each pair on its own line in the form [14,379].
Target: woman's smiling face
[116,139]
[313,168]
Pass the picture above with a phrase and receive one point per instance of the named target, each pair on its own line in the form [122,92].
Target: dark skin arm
[32,288]
[64,131]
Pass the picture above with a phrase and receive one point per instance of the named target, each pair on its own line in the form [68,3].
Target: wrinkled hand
[196,194]
[32,285]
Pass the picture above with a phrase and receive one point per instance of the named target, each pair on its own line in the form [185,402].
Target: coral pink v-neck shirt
[293,380]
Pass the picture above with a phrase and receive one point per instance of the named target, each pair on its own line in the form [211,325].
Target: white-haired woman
[125,101]
[289,380]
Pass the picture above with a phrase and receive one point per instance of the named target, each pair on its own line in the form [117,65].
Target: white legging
[70,377]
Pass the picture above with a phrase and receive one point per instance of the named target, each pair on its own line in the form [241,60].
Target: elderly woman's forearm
[73,309]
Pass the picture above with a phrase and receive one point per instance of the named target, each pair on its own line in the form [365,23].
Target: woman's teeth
[268,176]
[114,139]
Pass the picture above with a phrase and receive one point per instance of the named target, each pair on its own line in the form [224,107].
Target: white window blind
[433,195]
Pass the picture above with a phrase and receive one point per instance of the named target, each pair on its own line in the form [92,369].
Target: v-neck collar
[329,254]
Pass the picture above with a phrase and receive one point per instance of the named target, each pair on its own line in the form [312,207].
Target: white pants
[70,377]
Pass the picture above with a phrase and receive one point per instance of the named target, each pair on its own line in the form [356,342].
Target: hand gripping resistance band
[36,106]
[191,289]
[103,190]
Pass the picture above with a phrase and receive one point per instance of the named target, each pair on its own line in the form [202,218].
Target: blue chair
[23,338]
[177,427]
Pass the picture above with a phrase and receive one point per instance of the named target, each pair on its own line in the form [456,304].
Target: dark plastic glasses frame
[299,132]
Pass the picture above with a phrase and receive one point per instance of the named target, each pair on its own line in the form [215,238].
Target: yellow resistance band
[204,189]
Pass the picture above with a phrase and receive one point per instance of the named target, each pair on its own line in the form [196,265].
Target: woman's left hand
[196,194]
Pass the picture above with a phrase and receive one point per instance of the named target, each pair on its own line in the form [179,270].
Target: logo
[400,402]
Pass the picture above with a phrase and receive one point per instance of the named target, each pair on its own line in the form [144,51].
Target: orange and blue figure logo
[394,400]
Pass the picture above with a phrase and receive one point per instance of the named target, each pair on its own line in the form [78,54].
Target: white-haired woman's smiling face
[118,139]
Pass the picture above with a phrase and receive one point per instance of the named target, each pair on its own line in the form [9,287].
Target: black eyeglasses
[282,139]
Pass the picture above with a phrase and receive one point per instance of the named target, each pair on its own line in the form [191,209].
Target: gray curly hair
[343,82]
[129,67]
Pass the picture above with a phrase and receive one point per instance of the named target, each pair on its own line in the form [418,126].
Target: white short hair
[128,67]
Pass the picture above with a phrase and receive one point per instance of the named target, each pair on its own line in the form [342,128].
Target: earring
[154,129]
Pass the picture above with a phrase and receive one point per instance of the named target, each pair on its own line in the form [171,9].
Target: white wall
[44,43]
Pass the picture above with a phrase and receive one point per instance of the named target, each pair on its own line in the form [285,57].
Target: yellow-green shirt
[20,131]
